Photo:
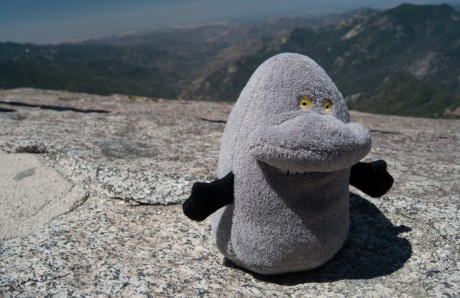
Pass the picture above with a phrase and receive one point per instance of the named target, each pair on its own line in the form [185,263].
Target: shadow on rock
[51,107]
[2,110]
[373,249]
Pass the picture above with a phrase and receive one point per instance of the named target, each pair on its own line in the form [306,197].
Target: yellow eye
[327,105]
[304,102]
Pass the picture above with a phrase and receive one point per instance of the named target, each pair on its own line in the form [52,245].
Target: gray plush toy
[281,203]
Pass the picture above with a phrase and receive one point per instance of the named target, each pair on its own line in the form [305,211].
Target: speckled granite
[111,247]
[405,244]
[149,151]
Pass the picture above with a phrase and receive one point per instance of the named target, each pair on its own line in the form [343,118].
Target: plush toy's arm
[206,198]
[371,178]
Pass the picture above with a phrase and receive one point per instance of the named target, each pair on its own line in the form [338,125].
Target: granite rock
[32,195]
[146,151]
[405,244]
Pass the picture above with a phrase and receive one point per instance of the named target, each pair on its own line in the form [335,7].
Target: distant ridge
[403,61]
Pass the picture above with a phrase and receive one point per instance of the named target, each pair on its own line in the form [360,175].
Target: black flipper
[207,198]
[371,178]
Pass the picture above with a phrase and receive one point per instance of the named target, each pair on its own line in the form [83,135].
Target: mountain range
[404,61]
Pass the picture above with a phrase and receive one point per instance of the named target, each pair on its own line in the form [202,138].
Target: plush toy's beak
[310,143]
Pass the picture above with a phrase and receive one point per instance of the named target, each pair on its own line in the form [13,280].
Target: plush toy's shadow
[373,249]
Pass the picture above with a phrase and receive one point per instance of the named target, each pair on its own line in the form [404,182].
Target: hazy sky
[46,21]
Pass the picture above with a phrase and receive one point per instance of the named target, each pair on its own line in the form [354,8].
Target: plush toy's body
[284,165]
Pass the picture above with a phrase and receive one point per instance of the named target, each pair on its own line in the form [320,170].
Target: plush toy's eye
[304,102]
[327,105]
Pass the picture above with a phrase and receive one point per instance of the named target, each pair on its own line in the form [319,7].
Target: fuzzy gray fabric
[291,167]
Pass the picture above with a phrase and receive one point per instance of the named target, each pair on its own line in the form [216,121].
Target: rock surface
[32,195]
[140,150]
[404,244]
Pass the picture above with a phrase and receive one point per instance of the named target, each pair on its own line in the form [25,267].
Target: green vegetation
[405,95]
[91,77]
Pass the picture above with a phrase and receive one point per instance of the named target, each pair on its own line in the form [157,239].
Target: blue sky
[47,21]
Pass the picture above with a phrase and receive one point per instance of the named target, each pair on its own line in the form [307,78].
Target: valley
[401,61]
